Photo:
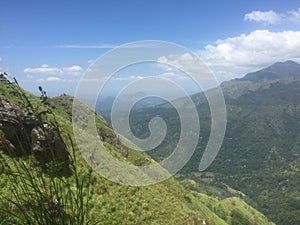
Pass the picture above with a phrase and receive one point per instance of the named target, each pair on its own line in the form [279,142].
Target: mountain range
[259,157]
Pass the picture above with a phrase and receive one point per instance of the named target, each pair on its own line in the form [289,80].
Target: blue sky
[52,43]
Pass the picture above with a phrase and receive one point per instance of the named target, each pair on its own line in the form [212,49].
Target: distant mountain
[279,70]
[260,155]
[104,104]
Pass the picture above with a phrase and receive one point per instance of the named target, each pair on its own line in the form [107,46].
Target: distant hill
[261,150]
[104,104]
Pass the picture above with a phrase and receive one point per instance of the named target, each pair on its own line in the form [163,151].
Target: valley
[260,152]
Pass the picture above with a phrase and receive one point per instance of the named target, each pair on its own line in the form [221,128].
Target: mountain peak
[278,70]
[288,63]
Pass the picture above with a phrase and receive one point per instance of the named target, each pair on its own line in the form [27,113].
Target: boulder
[23,133]
[11,124]
[124,151]
[47,144]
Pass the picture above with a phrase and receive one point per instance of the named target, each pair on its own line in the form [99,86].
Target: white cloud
[136,77]
[294,16]
[258,47]
[45,69]
[269,17]
[167,75]
[49,79]
[189,68]
[132,77]
[185,62]
[174,76]
[91,61]
[248,52]
[74,70]
[29,76]
[53,79]
[182,61]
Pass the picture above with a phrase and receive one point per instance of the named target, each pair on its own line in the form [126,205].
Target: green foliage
[261,148]
[238,218]
[31,195]
[35,197]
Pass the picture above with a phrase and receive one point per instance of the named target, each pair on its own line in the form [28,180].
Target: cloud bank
[258,48]
[269,17]
[45,69]
[294,16]
[235,56]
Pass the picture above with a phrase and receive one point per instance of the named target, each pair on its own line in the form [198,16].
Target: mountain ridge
[260,152]
[278,70]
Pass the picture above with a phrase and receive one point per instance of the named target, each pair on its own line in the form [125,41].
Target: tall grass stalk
[39,198]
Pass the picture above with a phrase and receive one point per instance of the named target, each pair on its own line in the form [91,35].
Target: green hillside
[44,179]
[260,152]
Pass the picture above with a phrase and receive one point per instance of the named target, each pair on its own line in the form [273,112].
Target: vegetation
[56,193]
[260,153]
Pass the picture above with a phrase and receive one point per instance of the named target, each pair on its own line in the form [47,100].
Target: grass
[77,195]
[35,196]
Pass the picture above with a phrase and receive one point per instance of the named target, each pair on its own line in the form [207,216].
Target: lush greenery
[55,194]
[260,153]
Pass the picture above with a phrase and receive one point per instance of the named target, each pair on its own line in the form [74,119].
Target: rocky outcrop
[15,124]
[47,144]
[23,133]
[124,151]
[110,137]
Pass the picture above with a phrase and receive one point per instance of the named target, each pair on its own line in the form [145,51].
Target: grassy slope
[110,203]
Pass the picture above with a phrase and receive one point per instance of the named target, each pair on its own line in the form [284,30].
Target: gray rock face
[47,144]
[11,123]
[22,133]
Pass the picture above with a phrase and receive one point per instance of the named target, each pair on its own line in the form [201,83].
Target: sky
[53,43]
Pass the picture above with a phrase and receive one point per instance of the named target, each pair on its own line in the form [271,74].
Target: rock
[30,120]
[124,151]
[7,146]
[47,144]
[23,133]
[10,114]
[12,125]
[110,137]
